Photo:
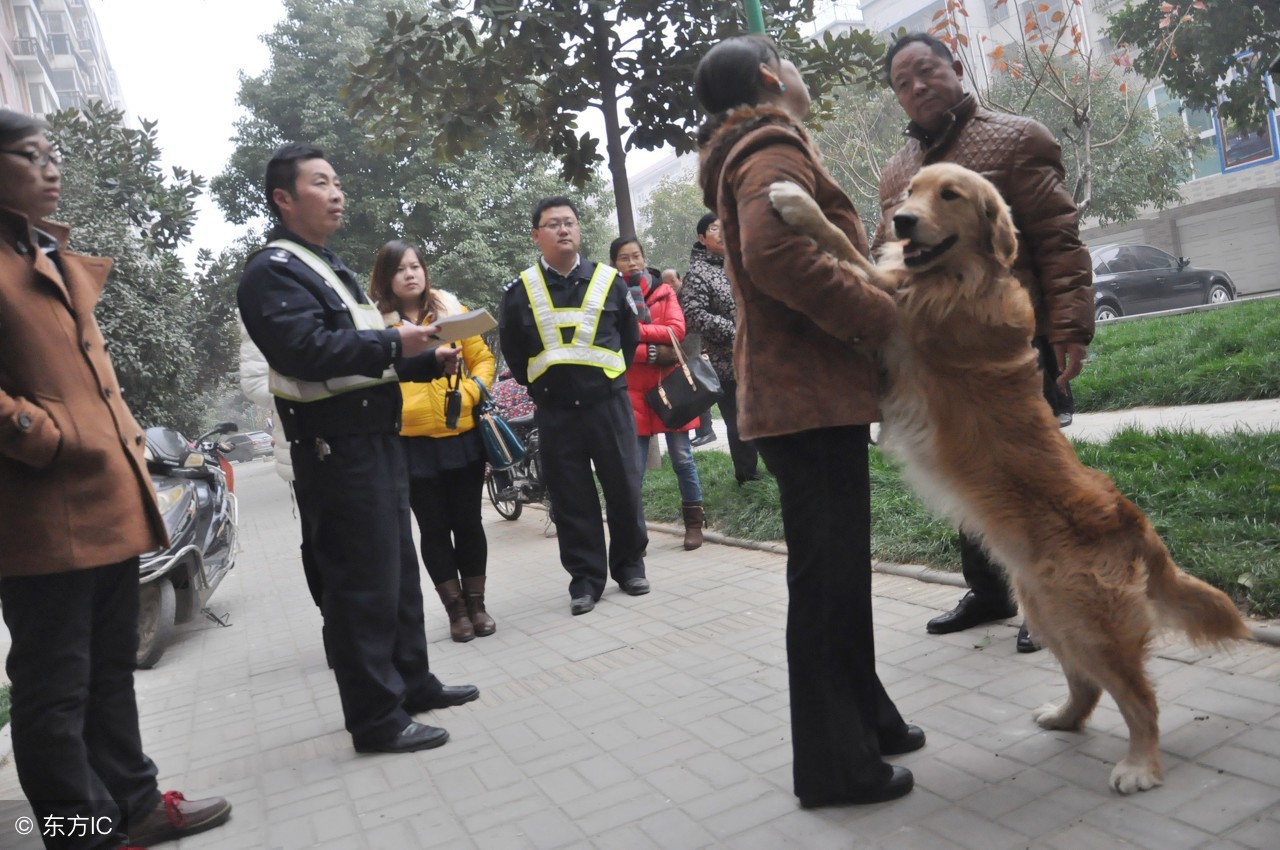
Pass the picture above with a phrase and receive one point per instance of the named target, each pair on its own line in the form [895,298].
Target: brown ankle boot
[694,519]
[473,590]
[459,623]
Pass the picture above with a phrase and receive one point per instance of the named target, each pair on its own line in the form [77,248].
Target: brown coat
[1024,161]
[74,490]
[807,328]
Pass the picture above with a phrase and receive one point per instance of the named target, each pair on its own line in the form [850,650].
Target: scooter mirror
[226,428]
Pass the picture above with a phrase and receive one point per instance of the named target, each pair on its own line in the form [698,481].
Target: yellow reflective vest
[581,349]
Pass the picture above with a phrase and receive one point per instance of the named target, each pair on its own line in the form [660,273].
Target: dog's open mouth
[915,254]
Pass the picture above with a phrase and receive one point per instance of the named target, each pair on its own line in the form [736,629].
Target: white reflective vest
[581,350]
[366,318]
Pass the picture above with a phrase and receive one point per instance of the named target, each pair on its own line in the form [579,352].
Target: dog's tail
[1206,614]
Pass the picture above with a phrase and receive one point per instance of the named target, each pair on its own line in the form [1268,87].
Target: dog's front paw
[1049,716]
[792,202]
[1128,777]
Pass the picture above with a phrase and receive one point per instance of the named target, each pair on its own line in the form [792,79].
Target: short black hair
[616,246]
[934,43]
[15,126]
[547,203]
[705,222]
[282,170]
[729,75]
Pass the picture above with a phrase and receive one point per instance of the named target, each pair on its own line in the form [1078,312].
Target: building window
[997,13]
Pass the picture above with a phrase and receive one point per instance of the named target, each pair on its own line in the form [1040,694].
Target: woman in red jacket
[655,356]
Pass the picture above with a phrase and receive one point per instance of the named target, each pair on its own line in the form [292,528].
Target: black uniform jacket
[305,331]
[567,385]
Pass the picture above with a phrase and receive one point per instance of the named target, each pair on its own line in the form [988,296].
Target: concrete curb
[1263,631]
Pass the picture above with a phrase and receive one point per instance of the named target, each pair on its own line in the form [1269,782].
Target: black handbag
[502,447]
[687,392]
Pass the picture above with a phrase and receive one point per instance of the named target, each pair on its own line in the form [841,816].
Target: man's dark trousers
[988,580]
[571,440]
[75,717]
[354,505]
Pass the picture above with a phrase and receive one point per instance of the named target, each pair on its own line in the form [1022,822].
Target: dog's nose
[904,224]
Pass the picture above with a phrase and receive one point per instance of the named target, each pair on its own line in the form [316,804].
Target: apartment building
[54,57]
[1230,215]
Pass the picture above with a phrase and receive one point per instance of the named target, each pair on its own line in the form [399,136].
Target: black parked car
[250,445]
[1130,279]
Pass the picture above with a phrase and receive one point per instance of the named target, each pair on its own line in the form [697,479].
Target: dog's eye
[949,195]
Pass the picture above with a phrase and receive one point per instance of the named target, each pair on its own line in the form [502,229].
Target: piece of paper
[460,327]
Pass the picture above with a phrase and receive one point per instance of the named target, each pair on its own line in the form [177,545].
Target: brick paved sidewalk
[661,721]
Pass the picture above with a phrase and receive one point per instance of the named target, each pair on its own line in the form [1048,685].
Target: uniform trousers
[354,504]
[985,578]
[76,742]
[572,440]
[839,708]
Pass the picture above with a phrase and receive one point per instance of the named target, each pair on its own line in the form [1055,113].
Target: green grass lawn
[4,705]
[1215,500]
[1229,354]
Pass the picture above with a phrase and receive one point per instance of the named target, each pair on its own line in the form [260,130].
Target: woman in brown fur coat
[807,392]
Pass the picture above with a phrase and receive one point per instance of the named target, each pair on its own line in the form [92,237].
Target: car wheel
[1219,293]
[156,613]
[1106,311]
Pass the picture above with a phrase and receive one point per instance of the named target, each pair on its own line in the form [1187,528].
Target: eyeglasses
[559,224]
[40,159]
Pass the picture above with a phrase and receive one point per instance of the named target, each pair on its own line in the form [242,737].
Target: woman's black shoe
[910,739]
[899,785]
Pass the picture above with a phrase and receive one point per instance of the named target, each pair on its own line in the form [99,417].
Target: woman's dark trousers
[743,452]
[76,743]
[839,708]
[447,507]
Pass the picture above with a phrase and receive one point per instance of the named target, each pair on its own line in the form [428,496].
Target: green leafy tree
[472,216]
[672,213]
[121,204]
[1212,54]
[540,63]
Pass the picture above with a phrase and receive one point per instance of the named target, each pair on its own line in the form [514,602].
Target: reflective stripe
[364,316]
[585,320]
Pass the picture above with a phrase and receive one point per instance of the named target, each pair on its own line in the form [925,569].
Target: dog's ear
[1004,237]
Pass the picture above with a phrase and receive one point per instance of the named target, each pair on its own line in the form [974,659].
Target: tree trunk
[1084,156]
[616,154]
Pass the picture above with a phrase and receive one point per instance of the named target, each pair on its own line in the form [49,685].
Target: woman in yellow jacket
[446,464]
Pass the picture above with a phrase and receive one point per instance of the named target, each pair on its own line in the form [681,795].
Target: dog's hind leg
[1082,697]
[1123,676]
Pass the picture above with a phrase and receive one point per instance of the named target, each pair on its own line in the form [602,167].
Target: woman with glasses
[443,449]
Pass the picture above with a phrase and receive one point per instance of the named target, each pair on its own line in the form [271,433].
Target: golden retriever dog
[965,416]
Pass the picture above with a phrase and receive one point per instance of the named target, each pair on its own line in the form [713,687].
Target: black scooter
[193,484]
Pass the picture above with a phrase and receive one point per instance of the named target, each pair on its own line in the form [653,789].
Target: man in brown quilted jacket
[1022,158]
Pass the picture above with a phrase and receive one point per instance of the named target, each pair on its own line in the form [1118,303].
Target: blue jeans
[681,461]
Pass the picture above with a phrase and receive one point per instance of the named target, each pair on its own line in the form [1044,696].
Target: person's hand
[447,356]
[666,355]
[415,339]
[1070,361]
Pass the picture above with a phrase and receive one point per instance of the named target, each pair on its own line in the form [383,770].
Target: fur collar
[769,123]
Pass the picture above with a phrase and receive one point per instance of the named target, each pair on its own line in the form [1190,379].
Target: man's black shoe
[910,739]
[703,439]
[970,612]
[635,586]
[1026,643]
[899,785]
[581,605]
[449,696]
[414,737]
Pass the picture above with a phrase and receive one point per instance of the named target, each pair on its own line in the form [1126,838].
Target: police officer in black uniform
[574,364]
[334,372]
